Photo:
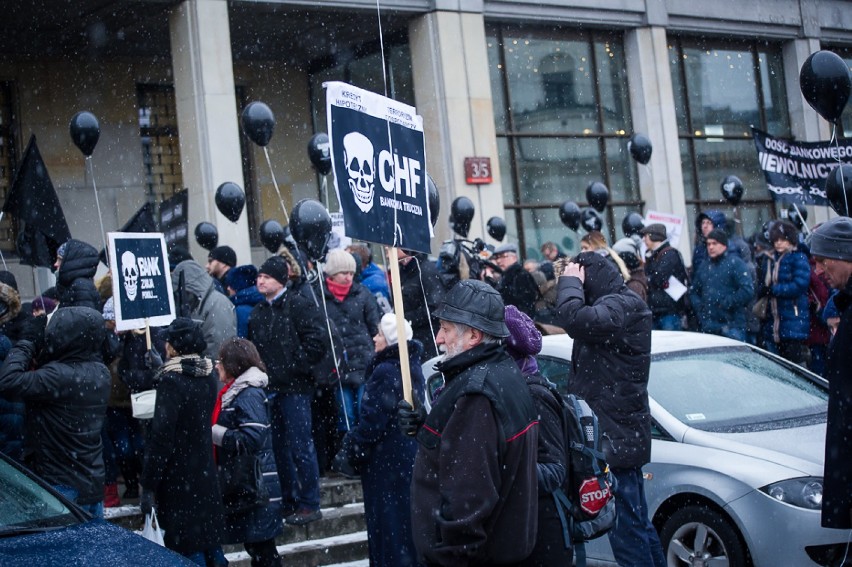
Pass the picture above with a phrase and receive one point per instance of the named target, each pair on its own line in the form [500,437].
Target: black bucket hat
[186,336]
[475,304]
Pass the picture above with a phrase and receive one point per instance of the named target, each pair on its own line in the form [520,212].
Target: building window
[722,88]
[8,161]
[563,120]
[158,130]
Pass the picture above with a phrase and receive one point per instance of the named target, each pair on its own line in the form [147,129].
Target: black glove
[152,360]
[342,465]
[147,502]
[409,419]
[33,330]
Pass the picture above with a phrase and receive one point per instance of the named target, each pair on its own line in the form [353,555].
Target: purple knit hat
[524,339]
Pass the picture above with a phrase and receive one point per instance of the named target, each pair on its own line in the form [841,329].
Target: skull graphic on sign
[129,274]
[361,166]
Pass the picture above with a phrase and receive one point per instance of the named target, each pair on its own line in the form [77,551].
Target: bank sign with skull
[141,280]
[379,163]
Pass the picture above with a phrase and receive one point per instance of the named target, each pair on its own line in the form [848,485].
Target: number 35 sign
[477,170]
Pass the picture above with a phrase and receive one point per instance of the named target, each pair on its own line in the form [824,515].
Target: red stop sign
[593,496]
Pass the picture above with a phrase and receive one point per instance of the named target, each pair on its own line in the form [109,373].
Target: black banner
[796,171]
[141,280]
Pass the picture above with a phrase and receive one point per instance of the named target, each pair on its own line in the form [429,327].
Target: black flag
[33,202]
[142,221]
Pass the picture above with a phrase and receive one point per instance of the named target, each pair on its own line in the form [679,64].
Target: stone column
[652,105]
[453,94]
[207,117]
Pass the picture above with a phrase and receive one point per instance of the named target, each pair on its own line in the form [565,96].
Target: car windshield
[735,390]
[24,504]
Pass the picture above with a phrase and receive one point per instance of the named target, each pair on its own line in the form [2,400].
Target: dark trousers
[634,540]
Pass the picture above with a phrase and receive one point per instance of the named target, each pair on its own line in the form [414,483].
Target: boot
[111,495]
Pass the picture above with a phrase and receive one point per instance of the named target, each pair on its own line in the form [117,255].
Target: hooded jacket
[699,251]
[720,292]
[66,401]
[74,284]
[213,309]
[611,358]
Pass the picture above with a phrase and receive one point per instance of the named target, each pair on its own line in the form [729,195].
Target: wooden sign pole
[393,260]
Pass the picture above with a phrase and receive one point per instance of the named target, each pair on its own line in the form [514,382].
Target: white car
[736,468]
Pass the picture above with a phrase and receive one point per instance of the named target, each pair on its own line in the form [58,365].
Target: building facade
[550,91]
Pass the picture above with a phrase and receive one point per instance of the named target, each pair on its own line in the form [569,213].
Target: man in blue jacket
[721,289]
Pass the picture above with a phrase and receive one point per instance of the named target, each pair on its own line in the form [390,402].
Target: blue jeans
[671,322]
[634,541]
[295,454]
[351,404]
[96,510]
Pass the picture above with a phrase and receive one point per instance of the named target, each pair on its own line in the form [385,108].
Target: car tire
[695,534]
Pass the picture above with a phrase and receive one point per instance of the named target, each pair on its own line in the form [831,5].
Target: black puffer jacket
[357,318]
[421,299]
[290,335]
[611,328]
[66,401]
[74,284]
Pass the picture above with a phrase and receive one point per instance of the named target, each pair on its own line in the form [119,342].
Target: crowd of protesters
[243,430]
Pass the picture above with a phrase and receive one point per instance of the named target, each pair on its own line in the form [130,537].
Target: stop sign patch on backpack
[594,495]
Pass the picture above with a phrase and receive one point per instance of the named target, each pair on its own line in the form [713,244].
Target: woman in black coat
[381,453]
[242,436]
[179,476]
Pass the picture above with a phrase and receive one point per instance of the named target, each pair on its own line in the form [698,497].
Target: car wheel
[700,536]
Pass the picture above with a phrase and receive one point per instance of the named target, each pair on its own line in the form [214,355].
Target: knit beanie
[524,338]
[8,278]
[833,239]
[186,336]
[719,236]
[276,268]
[45,304]
[241,277]
[338,260]
[388,328]
[224,254]
[178,254]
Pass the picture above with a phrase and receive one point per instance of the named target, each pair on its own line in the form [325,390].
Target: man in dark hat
[831,248]
[289,331]
[219,261]
[667,279]
[474,494]
[516,285]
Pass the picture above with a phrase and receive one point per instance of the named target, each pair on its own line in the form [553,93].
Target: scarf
[229,392]
[339,291]
[191,365]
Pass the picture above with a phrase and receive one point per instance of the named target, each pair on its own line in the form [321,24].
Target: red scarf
[217,409]
[340,291]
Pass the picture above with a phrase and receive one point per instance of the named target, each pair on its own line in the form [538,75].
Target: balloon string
[840,166]
[426,303]
[324,190]
[807,230]
[331,341]
[98,205]
[275,184]
[1,252]
[382,46]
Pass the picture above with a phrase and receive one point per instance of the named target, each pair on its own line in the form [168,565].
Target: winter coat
[178,464]
[638,283]
[611,358]
[720,292]
[474,499]
[374,279]
[243,428]
[385,457]
[422,292]
[290,335]
[518,288]
[357,319]
[132,369]
[660,265]
[74,284]
[785,279]
[14,328]
[836,496]
[66,401]
[212,309]
[699,251]
[818,293]
[244,301]
[12,412]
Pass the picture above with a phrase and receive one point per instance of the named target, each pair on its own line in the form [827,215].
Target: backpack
[585,501]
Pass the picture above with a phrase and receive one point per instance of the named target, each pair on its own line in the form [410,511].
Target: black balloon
[798,215]
[461,214]
[230,200]
[310,225]
[434,199]
[258,122]
[271,235]
[640,148]
[569,214]
[825,83]
[632,224]
[207,235]
[732,189]
[838,189]
[497,228]
[319,152]
[597,195]
[591,219]
[85,132]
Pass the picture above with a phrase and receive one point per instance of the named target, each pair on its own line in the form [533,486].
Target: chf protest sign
[379,162]
[141,280]
[796,171]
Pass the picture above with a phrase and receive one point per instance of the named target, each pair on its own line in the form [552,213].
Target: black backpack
[585,501]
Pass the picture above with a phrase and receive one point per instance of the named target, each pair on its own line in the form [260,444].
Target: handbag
[241,481]
[143,404]
[761,308]
[152,530]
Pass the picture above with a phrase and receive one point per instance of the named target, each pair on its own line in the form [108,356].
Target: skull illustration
[129,274]
[361,164]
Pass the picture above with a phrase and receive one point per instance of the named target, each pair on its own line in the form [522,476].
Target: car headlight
[801,492]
